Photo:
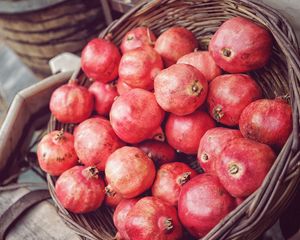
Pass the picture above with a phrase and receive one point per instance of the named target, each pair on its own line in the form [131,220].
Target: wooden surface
[39,223]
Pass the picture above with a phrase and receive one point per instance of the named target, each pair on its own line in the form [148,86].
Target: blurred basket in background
[39,30]
[280,77]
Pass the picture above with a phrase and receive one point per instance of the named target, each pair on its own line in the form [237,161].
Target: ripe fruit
[169,180]
[122,87]
[204,62]
[184,132]
[139,67]
[80,189]
[267,121]
[112,198]
[211,145]
[137,37]
[243,165]
[175,43]
[136,116]
[71,103]
[129,171]
[241,45]
[104,95]
[229,94]
[152,218]
[203,203]
[56,152]
[159,152]
[120,215]
[95,140]
[239,201]
[180,89]
[100,60]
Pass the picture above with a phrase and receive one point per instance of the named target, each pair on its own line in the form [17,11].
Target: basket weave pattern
[281,77]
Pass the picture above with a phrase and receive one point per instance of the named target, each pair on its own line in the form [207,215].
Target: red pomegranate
[229,94]
[80,189]
[120,215]
[211,145]
[100,60]
[122,87]
[71,103]
[204,62]
[136,38]
[112,199]
[243,165]
[104,95]
[139,67]
[136,116]
[203,203]
[184,132]
[175,43]
[139,37]
[94,141]
[267,121]
[152,218]
[56,153]
[239,201]
[159,152]
[180,89]
[129,171]
[169,180]
[240,45]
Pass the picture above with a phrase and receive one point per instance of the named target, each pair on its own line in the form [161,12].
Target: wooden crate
[28,111]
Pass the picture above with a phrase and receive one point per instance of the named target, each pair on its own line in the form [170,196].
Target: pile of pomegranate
[159,98]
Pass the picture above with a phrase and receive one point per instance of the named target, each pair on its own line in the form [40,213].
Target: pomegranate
[120,215]
[100,60]
[122,87]
[267,121]
[159,152]
[239,201]
[169,180]
[180,89]
[184,132]
[129,171]
[175,43]
[71,103]
[229,94]
[204,62]
[80,189]
[104,95]
[136,116]
[240,45]
[94,141]
[152,218]
[56,153]
[243,165]
[139,67]
[203,203]
[112,199]
[137,37]
[211,145]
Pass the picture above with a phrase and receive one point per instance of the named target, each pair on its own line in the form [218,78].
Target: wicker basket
[279,78]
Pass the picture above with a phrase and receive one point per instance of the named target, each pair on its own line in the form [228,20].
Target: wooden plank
[39,223]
